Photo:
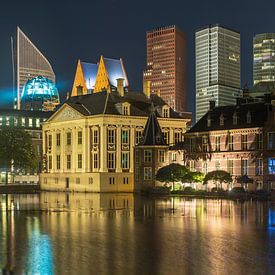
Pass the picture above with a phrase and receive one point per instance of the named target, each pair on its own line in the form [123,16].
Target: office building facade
[264,58]
[217,67]
[166,66]
[29,63]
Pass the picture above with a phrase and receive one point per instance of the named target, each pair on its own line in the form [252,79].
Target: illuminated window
[79,161]
[37,122]
[244,166]
[111,136]
[30,122]
[231,143]
[147,155]
[58,139]
[125,180]
[1,120]
[125,160]
[68,161]
[165,111]
[126,109]
[7,121]
[57,162]
[161,156]
[258,167]
[111,160]
[125,136]
[147,173]
[174,157]
[218,143]
[271,166]
[69,138]
[138,136]
[166,137]
[79,137]
[177,137]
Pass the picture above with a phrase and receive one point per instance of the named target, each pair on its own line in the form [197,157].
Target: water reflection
[121,233]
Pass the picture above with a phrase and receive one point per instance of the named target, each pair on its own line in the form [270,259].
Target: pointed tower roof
[102,78]
[152,134]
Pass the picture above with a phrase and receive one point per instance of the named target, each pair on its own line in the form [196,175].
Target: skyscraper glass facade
[217,67]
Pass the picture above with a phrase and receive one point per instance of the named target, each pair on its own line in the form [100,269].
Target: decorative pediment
[65,113]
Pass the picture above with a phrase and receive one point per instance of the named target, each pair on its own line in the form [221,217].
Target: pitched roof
[152,134]
[90,72]
[258,112]
[110,103]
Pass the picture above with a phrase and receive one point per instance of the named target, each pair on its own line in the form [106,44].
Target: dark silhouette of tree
[16,151]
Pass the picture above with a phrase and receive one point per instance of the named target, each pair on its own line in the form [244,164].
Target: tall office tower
[217,67]
[264,58]
[166,66]
[29,63]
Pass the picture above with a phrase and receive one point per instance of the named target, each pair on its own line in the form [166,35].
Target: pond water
[58,233]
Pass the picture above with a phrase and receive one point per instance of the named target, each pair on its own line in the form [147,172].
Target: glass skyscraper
[264,58]
[217,67]
[29,63]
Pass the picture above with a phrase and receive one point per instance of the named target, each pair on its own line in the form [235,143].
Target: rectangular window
[177,137]
[166,137]
[271,140]
[165,112]
[126,110]
[30,122]
[79,161]
[218,143]
[37,123]
[244,143]
[147,173]
[258,167]
[90,180]
[111,136]
[204,144]
[68,161]
[95,136]
[95,161]
[125,136]
[69,138]
[23,121]
[231,143]
[271,166]
[161,156]
[147,155]
[111,160]
[50,162]
[7,121]
[174,156]
[1,121]
[230,166]
[244,167]
[125,160]
[259,141]
[50,141]
[77,180]
[192,145]
[58,139]
[125,180]
[138,137]
[57,162]
[15,121]
[79,137]
[204,167]
[111,180]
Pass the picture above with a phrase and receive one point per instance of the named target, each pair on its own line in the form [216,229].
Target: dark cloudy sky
[67,30]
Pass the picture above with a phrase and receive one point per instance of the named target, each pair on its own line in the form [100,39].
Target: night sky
[67,30]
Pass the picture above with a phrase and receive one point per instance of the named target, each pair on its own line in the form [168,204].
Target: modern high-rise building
[217,67]
[29,63]
[166,66]
[264,58]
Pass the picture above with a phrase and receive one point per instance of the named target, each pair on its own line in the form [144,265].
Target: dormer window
[235,119]
[209,121]
[221,120]
[126,109]
[248,117]
[166,111]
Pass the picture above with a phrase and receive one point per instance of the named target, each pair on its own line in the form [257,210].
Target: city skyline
[55,36]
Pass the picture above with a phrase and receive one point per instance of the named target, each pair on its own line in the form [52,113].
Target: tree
[219,177]
[16,151]
[244,180]
[197,177]
[169,173]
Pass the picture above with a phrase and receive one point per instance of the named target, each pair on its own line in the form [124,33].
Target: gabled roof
[89,72]
[258,112]
[152,134]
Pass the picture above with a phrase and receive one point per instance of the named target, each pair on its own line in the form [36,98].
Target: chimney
[212,104]
[79,90]
[146,88]
[120,86]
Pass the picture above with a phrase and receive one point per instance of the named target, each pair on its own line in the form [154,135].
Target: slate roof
[90,72]
[258,112]
[110,103]
[152,134]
